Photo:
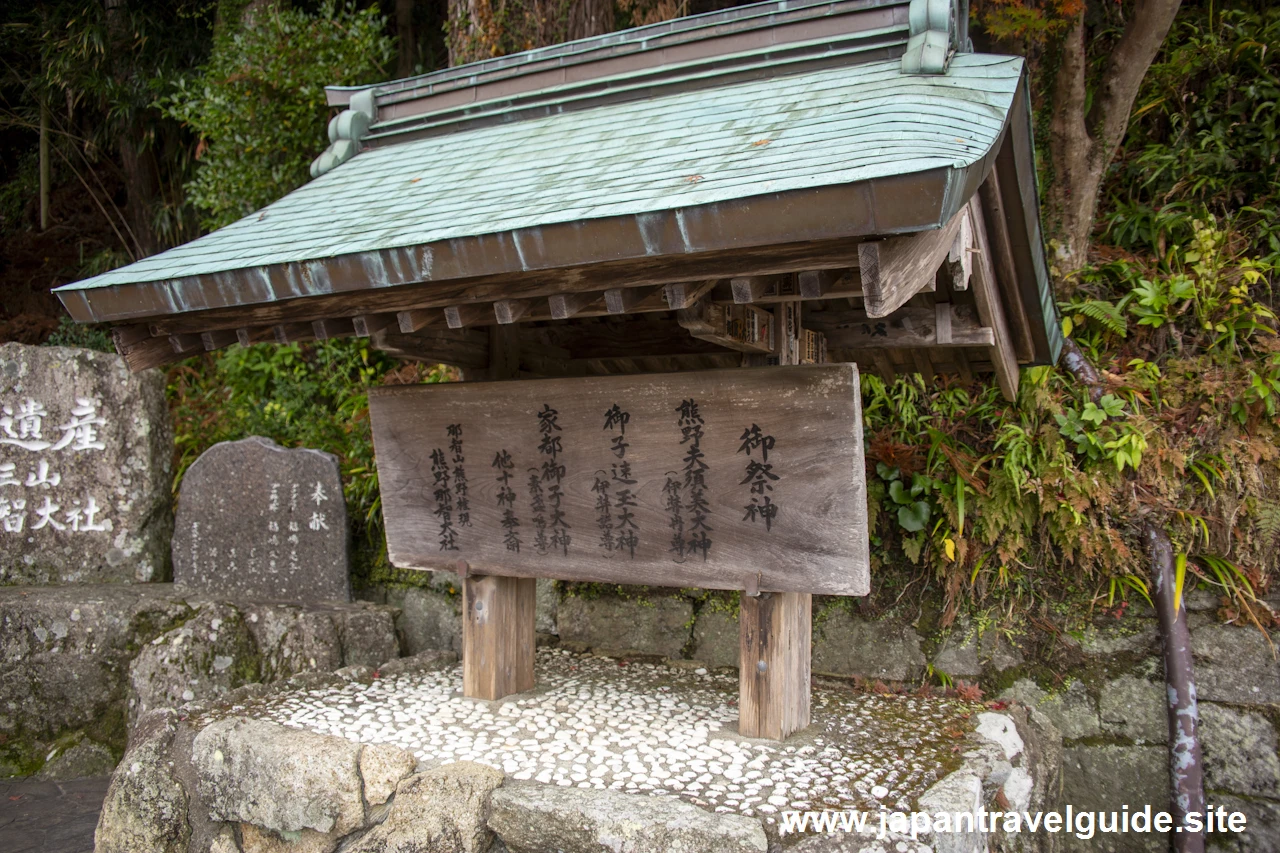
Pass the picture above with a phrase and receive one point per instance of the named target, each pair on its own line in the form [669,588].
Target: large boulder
[146,806]
[86,451]
[441,811]
[278,778]
[205,658]
[257,521]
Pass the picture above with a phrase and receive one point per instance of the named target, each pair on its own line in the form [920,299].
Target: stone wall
[80,664]
[218,779]
[1103,689]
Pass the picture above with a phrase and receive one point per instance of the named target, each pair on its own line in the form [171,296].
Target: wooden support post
[498,612]
[775,630]
[497,636]
[986,297]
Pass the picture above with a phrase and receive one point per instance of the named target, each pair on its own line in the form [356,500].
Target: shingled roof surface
[826,127]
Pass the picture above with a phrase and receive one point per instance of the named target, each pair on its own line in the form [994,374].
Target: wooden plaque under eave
[530,478]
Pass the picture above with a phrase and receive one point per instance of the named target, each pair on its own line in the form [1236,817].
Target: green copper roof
[812,129]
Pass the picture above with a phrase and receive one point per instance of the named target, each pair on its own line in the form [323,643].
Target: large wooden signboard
[730,479]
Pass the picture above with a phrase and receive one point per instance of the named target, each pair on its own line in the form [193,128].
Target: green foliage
[71,334]
[301,395]
[1205,135]
[258,105]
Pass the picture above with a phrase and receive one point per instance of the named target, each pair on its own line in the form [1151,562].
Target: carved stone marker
[730,479]
[257,521]
[85,455]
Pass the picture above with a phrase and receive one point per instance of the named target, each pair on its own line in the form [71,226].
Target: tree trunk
[465,30]
[141,172]
[1084,135]
[590,18]
[406,38]
[44,167]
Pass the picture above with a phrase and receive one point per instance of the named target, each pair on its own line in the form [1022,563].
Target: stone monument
[86,451]
[258,521]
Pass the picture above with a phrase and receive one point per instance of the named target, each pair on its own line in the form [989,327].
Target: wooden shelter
[787,182]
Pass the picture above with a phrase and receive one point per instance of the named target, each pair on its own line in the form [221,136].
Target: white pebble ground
[654,729]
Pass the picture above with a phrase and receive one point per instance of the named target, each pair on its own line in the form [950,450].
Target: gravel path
[652,729]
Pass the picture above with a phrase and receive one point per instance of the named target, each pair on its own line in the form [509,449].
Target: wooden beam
[814,284]
[366,325]
[942,323]
[896,269]
[130,335]
[414,319]
[750,288]
[685,294]
[504,352]
[744,328]
[754,260]
[546,366]
[508,311]
[986,298]
[338,327]
[1000,250]
[292,333]
[148,352]
[255,335]
[219,339]
[566,305]
[960,257]
[465,348]
[906,329]
[626,300]
[461,316]
[183,344]
[498,636]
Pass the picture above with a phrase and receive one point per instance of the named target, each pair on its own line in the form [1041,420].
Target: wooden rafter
[894,270]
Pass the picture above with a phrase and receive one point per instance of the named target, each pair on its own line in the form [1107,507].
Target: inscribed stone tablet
[726,479]
[257,521]
[85,480]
